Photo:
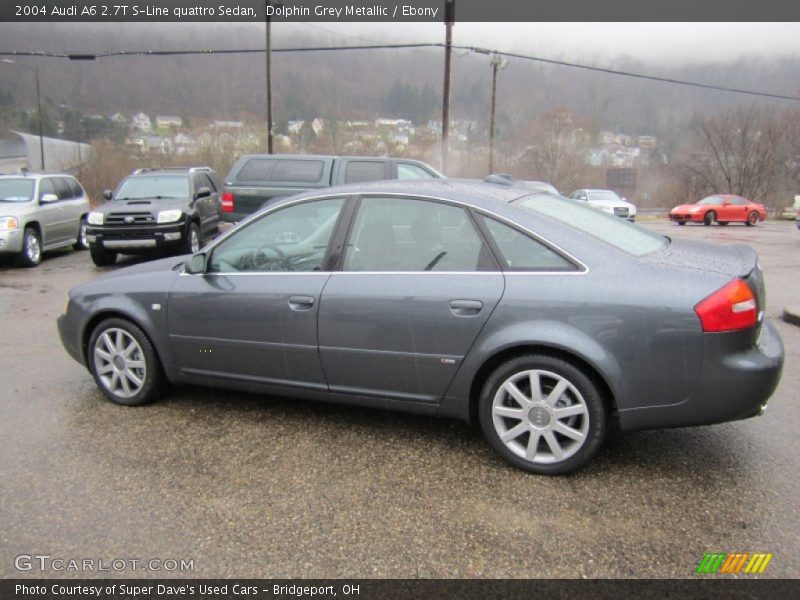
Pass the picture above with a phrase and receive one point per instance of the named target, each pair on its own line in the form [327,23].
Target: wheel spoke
[512,413]
[515,393]
[136,381]
[114,381]
[536,386]
[533,444]
[568,431]
[102,354]
[130,348]
[555,447]
[561,387]
[569,411]
[515,431]
[106,368]
[108,343]
[135,364]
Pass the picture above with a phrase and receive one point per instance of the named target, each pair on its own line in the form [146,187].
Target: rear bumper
[734,385]
[137,239]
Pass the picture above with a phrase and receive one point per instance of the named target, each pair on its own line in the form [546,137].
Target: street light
[35,70]
[498,64]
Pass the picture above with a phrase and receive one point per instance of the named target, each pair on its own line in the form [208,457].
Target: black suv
[156,209]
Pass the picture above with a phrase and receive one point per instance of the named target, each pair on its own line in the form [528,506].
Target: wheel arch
[115,313]
[34,224]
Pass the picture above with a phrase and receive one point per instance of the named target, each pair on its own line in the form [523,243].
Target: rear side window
[303,171]
[364,170]
[75,187]
[256,169]
[620,233]
[523,253]
[62,189]
[409,171]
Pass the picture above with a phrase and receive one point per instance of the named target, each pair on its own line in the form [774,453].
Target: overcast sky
[661,42]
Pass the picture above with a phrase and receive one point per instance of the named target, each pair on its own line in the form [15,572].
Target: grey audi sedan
[537,317]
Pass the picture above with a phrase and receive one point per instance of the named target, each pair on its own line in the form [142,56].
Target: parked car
[534,315]
[608,201]
[40,212]
[156,209]
[719,208]
[256,180]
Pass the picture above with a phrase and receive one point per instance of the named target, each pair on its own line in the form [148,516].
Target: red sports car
[722,208]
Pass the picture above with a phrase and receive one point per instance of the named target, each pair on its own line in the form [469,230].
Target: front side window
[523,253]
[711,200]
[294,238]
[405,234]
[154,187]
[16,190]
[62,189]
[46,186]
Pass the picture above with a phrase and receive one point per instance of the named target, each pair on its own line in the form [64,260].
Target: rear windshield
[618,232]
[16,190]
[156,187]
[268,169]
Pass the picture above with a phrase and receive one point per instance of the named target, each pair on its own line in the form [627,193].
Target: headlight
[95,218]
[609,209]
[8,223]
[168,216]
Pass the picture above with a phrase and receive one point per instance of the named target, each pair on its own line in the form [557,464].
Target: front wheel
[710,217]
[31,254]
[681,222]
[81,243]
[124,363]
[722,222]
[752,219]
[192,241]
[543,414]
[102,257]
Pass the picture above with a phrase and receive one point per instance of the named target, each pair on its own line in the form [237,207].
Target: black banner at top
[395,10]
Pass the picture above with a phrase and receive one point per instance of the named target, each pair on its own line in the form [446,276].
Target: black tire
[81,244]
[102,257]
[752,219]
[722,222]
[114,381]
[31,255]
[709,218]
[580,393]
[681,222]
[191,242]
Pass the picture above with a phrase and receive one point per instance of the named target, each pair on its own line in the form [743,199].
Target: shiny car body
[719,208]
[529,313]
[608,201]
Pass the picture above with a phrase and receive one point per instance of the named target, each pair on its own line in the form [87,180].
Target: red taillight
[729,308]
[227,202]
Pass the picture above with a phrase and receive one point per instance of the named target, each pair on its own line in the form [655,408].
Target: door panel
[49,215]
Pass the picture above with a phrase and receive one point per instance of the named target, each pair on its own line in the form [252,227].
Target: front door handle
[465,308]
[301,302]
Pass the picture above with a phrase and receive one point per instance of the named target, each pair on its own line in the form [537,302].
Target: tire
[124,363]
[102,257]
[31,255]
[681,222]
[553,452]
[81,244]
[752,219]
[710,217]
[723,222]
[191,244]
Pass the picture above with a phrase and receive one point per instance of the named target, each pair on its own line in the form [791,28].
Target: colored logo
[734,563]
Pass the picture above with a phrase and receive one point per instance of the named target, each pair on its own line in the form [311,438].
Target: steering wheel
[260,258]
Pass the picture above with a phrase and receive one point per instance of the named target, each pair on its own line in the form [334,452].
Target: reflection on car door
[50,214]
[252,317]
[416,286]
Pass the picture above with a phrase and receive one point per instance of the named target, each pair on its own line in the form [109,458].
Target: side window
[303,171]
[404,234]
[409,171]
[364,170]
[208,182]
[75,187]
[256,169]
[62,188]
[523,253]
[294,238]
[46,186]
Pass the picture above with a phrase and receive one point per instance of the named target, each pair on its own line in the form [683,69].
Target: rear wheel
[543,414]
[681,222]
[81,243]
[752,219]
[710,217]
[102,257]
[31,254]
[124,363]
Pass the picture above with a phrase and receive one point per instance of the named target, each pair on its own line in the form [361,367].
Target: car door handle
[465,308]
[301,302]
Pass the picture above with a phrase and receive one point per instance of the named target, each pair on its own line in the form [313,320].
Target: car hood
[735,261]
[143,205]
[18,209]
[684,207]
[611,203]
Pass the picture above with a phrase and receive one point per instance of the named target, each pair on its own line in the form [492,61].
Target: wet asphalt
[253,486]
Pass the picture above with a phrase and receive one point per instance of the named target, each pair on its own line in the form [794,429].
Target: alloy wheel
[120,363]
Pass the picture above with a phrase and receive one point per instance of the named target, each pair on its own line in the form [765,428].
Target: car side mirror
[107,194]
[203,192]
[48,198]
[196,264]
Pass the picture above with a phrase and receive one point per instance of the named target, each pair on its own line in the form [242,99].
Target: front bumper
[69,332]
[137,239]
[686,217]
[733,385]
[11,241]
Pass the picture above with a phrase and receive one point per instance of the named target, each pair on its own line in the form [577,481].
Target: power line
[472,49]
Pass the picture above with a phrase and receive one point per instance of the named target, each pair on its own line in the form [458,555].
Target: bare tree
[736,152]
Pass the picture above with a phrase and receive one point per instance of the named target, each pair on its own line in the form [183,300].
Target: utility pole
[267,22]
[497,65]
[449,17]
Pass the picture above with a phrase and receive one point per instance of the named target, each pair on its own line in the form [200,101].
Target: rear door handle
[301,302]
[465,308]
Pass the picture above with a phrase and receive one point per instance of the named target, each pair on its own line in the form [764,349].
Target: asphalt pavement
[252,486]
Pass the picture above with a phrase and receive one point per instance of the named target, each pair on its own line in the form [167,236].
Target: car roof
[35,175]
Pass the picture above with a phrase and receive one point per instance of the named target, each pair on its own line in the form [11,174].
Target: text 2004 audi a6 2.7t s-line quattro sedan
[535,316]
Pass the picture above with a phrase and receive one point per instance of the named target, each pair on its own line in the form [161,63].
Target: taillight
[729,308]
[227,202]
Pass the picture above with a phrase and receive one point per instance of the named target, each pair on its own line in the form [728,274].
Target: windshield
[153,187]
[620,233]
[605,196]
[711,200]
[16,190]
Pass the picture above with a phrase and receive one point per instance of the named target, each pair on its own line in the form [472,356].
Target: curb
[791,314]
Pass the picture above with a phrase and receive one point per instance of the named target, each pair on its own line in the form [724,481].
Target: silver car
[608,201]
[529,313]
[40,212]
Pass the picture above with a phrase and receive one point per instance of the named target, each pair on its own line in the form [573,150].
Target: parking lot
[251,486]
